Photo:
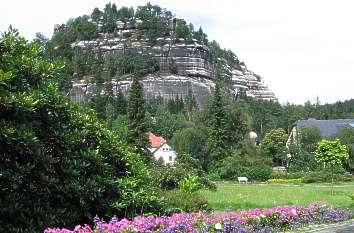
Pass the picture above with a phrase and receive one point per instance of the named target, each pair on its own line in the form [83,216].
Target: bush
[179,200]
[190,184]
[127,34]
[58,165]
[207,183]
[214,175]
[167,177]
[285,181]
[324,177]
[286,175]
[336,170]
[258,172]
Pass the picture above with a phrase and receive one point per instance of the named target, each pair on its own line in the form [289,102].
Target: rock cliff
[195,67]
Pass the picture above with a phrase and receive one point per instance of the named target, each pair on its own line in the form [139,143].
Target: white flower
[218,226]
[262,216]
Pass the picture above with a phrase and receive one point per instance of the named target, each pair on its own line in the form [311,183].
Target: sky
[303,49]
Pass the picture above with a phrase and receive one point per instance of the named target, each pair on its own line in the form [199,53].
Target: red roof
[155,141]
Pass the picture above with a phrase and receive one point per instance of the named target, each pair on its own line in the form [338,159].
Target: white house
[161,150]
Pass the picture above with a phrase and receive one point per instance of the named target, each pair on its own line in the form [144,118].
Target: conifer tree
[109,101]
[216,143]
[137,123]
[120,103]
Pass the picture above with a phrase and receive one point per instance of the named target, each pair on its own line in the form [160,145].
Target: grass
[234,196]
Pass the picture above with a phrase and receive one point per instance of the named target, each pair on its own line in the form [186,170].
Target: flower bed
[285,181]
[257,220]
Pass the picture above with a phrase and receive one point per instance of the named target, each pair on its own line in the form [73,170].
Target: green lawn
[233,196]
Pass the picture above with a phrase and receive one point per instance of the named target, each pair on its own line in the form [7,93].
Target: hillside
[170,56]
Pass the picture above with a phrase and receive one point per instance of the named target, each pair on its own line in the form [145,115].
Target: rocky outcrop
[194,63]
[165,86]
[191,59]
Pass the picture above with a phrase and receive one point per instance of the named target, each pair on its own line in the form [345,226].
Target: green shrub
[58,165]
[287,175]
[127,34]
[179,200]
[324,177]
[258,172]
[336,170]
[285,181]
[189,184]
[172,67]
[167,177]
[207,183]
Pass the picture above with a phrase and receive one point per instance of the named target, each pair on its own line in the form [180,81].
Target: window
[170,158]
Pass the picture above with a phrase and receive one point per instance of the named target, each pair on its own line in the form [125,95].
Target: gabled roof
[328,128]
[155,141]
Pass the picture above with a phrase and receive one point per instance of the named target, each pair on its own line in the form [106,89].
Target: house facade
[161,150]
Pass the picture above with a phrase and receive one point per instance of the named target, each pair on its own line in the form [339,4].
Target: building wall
[166,153]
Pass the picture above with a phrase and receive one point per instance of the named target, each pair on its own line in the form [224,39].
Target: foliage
[167,177]
[287,175]
[324,177]
[137,123]
[184,31]
[238,124]
[241,163]
[120,127]
[75,29]
[273,145]
[58,166]
[302,161]
[285,181]
[258,172]
[189,184]
[308,138]
[138,198]
[190,141]
[152,26]
[166,124]
[266,115]
[172,67]
[346,136]
[331,153]
[216,147]
[129,63]
[182,201]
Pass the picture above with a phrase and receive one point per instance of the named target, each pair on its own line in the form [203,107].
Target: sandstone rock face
[191,59]
[194,63]
[165,86]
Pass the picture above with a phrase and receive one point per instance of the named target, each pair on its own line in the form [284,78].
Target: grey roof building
[328,128]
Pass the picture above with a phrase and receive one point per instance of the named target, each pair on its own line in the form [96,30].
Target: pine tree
[96,15]
[109,101]
[120,103]
[216,143]
[171,106]
[137,123]
[191,104]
